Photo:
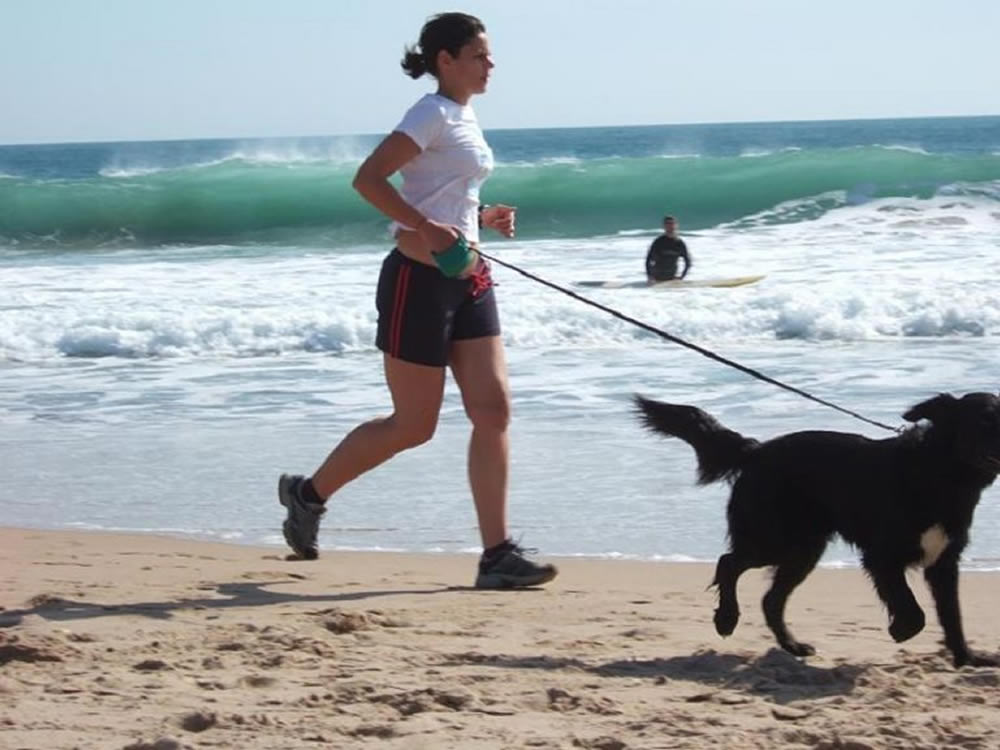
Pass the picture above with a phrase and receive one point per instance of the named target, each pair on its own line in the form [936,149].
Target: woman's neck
[456,96]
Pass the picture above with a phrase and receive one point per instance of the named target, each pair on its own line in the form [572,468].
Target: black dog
[902,501]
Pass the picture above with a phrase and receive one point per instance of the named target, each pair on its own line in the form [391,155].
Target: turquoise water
[567,183]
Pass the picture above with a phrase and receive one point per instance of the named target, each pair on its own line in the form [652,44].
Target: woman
[435,301]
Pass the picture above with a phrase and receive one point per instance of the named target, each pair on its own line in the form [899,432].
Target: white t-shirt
[443,181]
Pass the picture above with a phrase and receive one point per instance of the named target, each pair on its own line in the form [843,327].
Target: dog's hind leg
[789,574]
[727,572]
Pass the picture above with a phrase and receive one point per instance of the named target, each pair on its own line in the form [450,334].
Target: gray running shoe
[302,524]
[512,569]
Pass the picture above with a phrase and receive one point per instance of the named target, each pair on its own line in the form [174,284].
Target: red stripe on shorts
[399,302]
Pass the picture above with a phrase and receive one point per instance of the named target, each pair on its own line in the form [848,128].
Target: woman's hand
[499,217]
[437,237]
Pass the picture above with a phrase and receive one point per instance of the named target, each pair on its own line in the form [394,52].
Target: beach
[151,642]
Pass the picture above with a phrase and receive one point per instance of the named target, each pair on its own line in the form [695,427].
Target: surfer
[661,260]
[436,305]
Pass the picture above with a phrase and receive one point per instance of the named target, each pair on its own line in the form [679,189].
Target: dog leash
[694,347]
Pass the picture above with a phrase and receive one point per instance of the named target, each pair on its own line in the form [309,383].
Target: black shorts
[421,311]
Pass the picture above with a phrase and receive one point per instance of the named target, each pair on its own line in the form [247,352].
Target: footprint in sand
[13,648]
[258,681]
[198,721]
[151,665]
[164,743]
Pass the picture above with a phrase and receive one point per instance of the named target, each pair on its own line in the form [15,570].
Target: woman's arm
[372,178]
[372,182]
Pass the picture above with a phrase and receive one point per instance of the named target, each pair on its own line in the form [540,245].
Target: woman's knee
[492,415]
[409,433]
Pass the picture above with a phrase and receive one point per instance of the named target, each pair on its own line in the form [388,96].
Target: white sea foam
[570,161]
[756,153]
[902,147]
[858,273]
[342,152]
[120,172]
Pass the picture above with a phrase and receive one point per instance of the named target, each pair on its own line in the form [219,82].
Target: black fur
[792,494]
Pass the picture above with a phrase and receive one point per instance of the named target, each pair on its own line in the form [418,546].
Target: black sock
[308,492]
[505,545]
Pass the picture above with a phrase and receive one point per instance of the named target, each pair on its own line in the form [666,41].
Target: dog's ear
[936,409]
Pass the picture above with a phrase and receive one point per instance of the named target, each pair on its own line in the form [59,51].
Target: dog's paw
[969,659]
[798,649]
[903,628]
[725,621]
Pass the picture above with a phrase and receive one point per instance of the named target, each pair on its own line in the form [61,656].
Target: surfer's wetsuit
[661,261]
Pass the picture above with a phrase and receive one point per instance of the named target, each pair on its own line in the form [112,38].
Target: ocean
[182,321]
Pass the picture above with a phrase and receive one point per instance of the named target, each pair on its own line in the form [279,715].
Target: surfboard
[673,283]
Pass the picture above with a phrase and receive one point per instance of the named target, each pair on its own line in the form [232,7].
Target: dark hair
[445,31]
[668,217]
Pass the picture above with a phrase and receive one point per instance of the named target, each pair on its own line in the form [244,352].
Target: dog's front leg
[906,619]
[942,577]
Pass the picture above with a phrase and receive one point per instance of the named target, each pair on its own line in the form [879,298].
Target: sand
[145,642]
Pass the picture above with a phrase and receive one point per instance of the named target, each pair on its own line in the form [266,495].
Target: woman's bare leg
[416,392]
[480,369]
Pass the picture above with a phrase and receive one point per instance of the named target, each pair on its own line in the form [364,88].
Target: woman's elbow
[366,176]
[360,180]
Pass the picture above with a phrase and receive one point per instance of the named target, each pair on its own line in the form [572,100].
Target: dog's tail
[720,451]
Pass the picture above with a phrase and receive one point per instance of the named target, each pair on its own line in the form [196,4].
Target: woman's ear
[444,60]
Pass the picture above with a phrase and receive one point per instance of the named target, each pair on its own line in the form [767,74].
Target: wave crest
[262,196]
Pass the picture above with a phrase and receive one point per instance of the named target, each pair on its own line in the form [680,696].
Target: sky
[107,70]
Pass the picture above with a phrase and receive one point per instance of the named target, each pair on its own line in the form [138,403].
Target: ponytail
[445,31]
[413,64]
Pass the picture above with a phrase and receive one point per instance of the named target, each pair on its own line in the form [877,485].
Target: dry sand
[142,642]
